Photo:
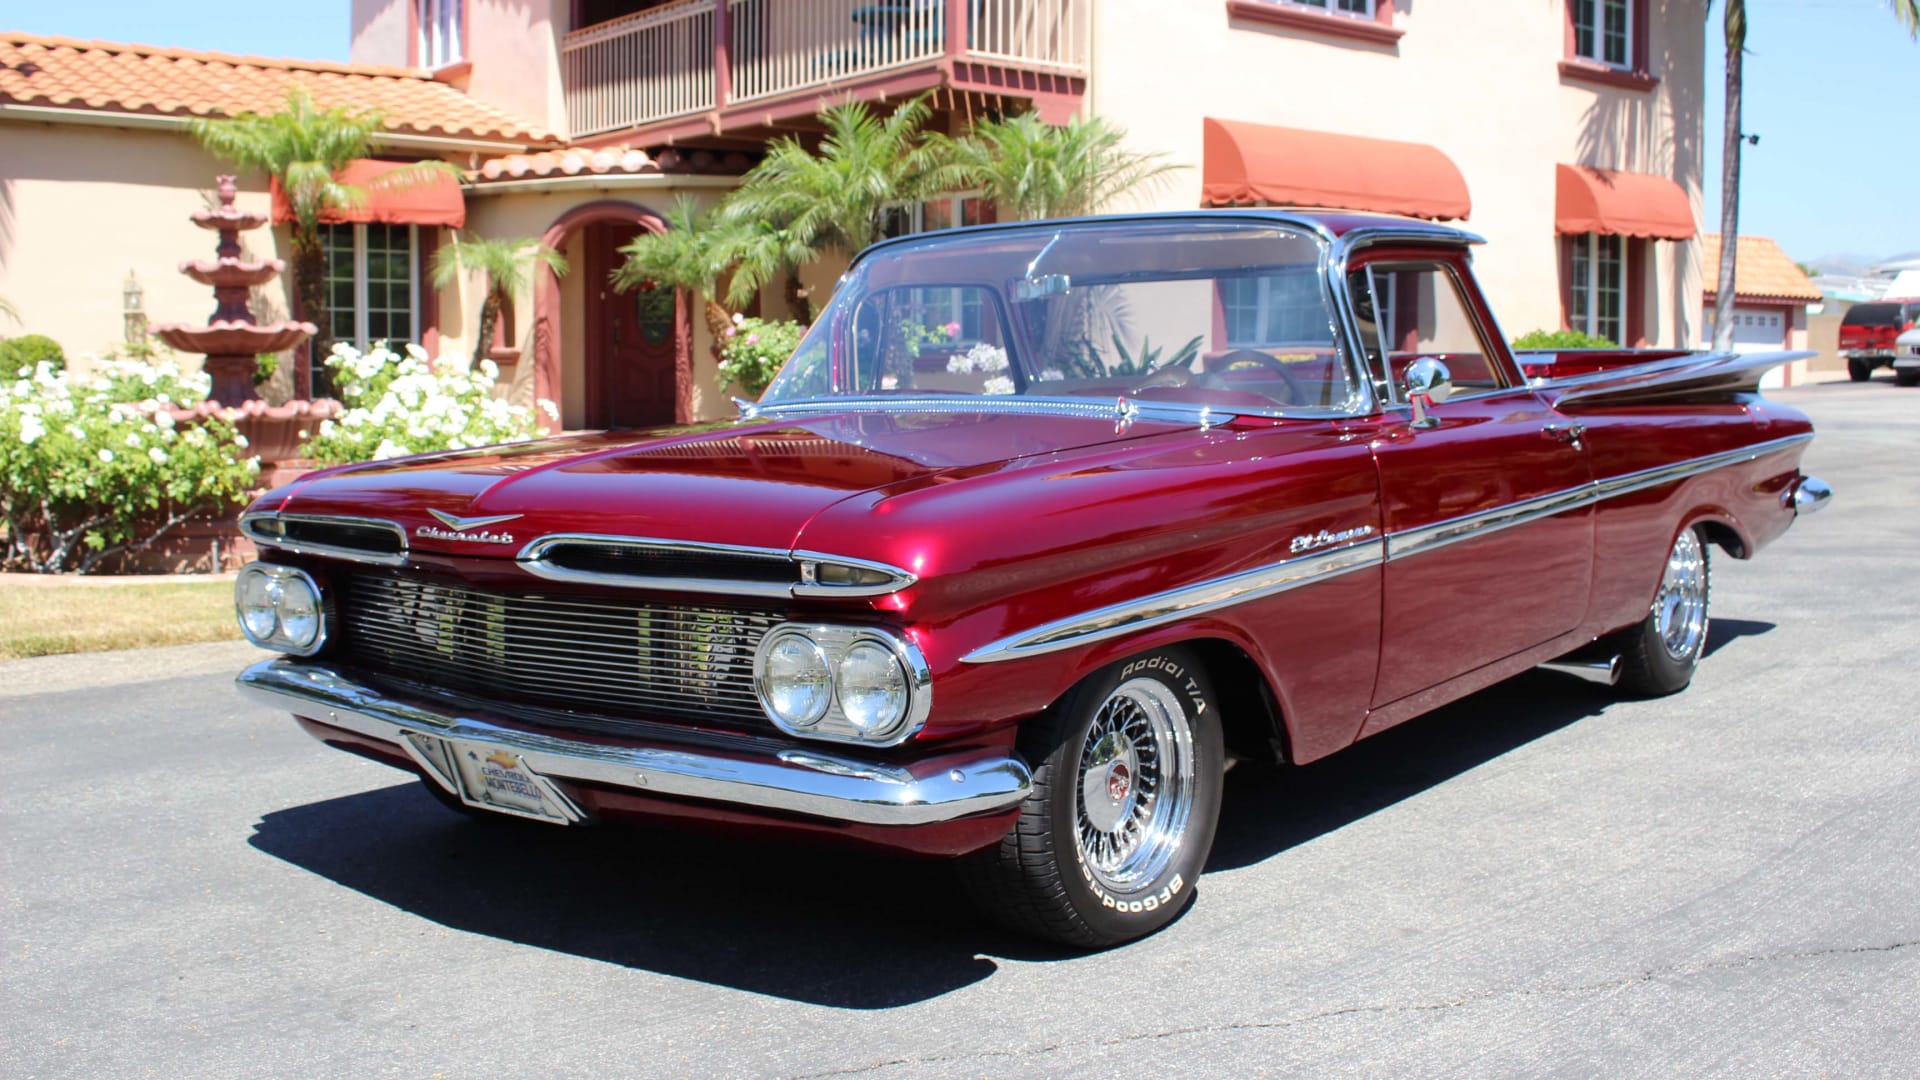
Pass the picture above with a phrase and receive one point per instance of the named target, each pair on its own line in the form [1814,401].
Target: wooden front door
[630,340]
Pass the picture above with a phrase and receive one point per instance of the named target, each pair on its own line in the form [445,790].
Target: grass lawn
[55,615]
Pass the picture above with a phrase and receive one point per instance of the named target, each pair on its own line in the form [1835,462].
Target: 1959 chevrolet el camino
[1040,526]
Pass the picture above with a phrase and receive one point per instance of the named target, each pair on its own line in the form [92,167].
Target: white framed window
[442,27]
[373,289]
[943,306]
[1361,8]
[1603,31]
[1597,295]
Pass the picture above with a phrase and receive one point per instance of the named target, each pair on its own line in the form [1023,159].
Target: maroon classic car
[1041,525]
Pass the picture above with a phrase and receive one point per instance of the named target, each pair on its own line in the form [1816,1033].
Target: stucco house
[1568,133]
[1771,297]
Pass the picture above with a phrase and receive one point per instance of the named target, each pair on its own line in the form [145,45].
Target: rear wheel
[1658,656]
[1859,370]
[1907,376]
[1121,815]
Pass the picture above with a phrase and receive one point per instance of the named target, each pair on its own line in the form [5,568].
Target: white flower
[240,441]
[133,440]
[106,456]
[30,429]
[999,384]
[163,418]
[1052,375]
[158,455]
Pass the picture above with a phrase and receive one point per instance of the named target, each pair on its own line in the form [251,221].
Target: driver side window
[1407,311]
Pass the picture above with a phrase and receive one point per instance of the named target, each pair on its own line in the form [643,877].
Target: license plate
[493,778]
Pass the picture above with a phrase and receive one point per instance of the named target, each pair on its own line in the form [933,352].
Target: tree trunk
[797,301]
[1736,28]
[718,322]
[489,315]
[310,287]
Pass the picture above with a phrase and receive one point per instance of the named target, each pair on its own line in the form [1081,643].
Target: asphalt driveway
[1536,881]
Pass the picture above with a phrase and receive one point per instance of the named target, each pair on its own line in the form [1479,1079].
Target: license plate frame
[491,777]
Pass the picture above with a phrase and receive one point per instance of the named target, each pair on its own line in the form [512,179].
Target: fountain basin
[235,338]
[233,273]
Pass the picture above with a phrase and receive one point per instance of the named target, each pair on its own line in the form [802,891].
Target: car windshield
[1226,315]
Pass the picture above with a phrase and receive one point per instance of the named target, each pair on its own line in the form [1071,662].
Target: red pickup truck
[1867,334]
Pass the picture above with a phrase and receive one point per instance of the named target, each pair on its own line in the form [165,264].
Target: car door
[1484,501]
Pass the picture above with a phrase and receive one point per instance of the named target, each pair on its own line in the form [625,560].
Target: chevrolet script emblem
[456,528]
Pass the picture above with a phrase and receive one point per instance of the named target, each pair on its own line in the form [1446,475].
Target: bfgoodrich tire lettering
[1125,797]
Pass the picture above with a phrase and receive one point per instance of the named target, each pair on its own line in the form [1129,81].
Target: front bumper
[794,781]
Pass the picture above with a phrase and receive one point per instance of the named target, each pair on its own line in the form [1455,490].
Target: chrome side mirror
[1428,384]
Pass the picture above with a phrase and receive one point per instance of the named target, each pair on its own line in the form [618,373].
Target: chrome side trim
[923,792]
[1470,526]
[1182,603]
[249,527]
[1217,593]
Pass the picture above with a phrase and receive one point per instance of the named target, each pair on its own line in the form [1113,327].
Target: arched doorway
[637,345]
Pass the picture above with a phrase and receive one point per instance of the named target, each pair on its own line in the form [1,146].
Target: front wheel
[1907,376]
[1658,656]
[1121,815]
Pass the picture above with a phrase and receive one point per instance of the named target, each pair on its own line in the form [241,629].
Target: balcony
[729,72]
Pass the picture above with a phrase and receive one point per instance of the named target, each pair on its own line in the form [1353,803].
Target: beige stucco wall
[380,32]
[513,45]
[81,206]
[1478,80]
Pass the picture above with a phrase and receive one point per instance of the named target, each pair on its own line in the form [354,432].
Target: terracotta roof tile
[1762,270]
[99,75]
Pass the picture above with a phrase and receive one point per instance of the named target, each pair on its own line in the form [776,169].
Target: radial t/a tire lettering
[1121,815]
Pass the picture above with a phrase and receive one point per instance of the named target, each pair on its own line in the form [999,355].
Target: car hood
[752,483]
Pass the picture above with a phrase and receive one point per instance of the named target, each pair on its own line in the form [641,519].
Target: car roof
[1352,225]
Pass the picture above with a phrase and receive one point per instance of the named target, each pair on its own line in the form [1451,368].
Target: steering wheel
[1296,391]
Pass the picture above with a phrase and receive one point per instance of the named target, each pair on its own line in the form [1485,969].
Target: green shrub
[28,350]
[754,350]
[1562,339]
[403,403]
[85,473]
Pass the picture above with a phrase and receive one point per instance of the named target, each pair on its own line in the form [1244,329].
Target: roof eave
[60,114]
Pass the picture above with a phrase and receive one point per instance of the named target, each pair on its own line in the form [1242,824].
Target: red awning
[434,201]
[1255,164]
[1590,200]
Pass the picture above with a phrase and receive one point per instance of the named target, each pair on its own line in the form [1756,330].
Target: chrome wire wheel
[1680,607]
[1136,785]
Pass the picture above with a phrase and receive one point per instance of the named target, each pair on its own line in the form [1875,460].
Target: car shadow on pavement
[827,925]
[807,922]
[1268,809]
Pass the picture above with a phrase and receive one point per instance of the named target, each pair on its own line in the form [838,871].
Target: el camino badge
[456,529]
[1323,538]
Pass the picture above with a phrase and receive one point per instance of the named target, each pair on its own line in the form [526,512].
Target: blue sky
[1832,88]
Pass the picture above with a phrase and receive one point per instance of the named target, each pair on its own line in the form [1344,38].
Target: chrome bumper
[793,781]
[1810,493]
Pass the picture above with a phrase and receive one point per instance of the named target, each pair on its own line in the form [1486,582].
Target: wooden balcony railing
[676,60]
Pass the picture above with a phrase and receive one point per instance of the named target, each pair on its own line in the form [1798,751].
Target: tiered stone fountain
[231,340]
[232,343]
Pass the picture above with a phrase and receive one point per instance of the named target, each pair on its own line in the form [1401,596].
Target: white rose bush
[96,466]
[404,403]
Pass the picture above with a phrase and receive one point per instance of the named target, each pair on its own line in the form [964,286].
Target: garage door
[1758,331]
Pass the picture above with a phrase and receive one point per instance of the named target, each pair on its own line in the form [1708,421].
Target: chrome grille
[681,662]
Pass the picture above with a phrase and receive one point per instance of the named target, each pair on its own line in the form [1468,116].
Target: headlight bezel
[834,642]
[278,580]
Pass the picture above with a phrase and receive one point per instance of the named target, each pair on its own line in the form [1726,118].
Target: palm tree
[7,309]
[1735,22]
[692,254]
[303,147]
[503,267]
[836,198]
[1032,169]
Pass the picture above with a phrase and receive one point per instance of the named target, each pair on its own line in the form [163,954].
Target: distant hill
[1857,265]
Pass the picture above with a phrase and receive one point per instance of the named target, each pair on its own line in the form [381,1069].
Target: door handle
[1566,433]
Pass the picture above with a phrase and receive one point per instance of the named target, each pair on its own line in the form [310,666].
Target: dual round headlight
[846,684]
[280,608]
